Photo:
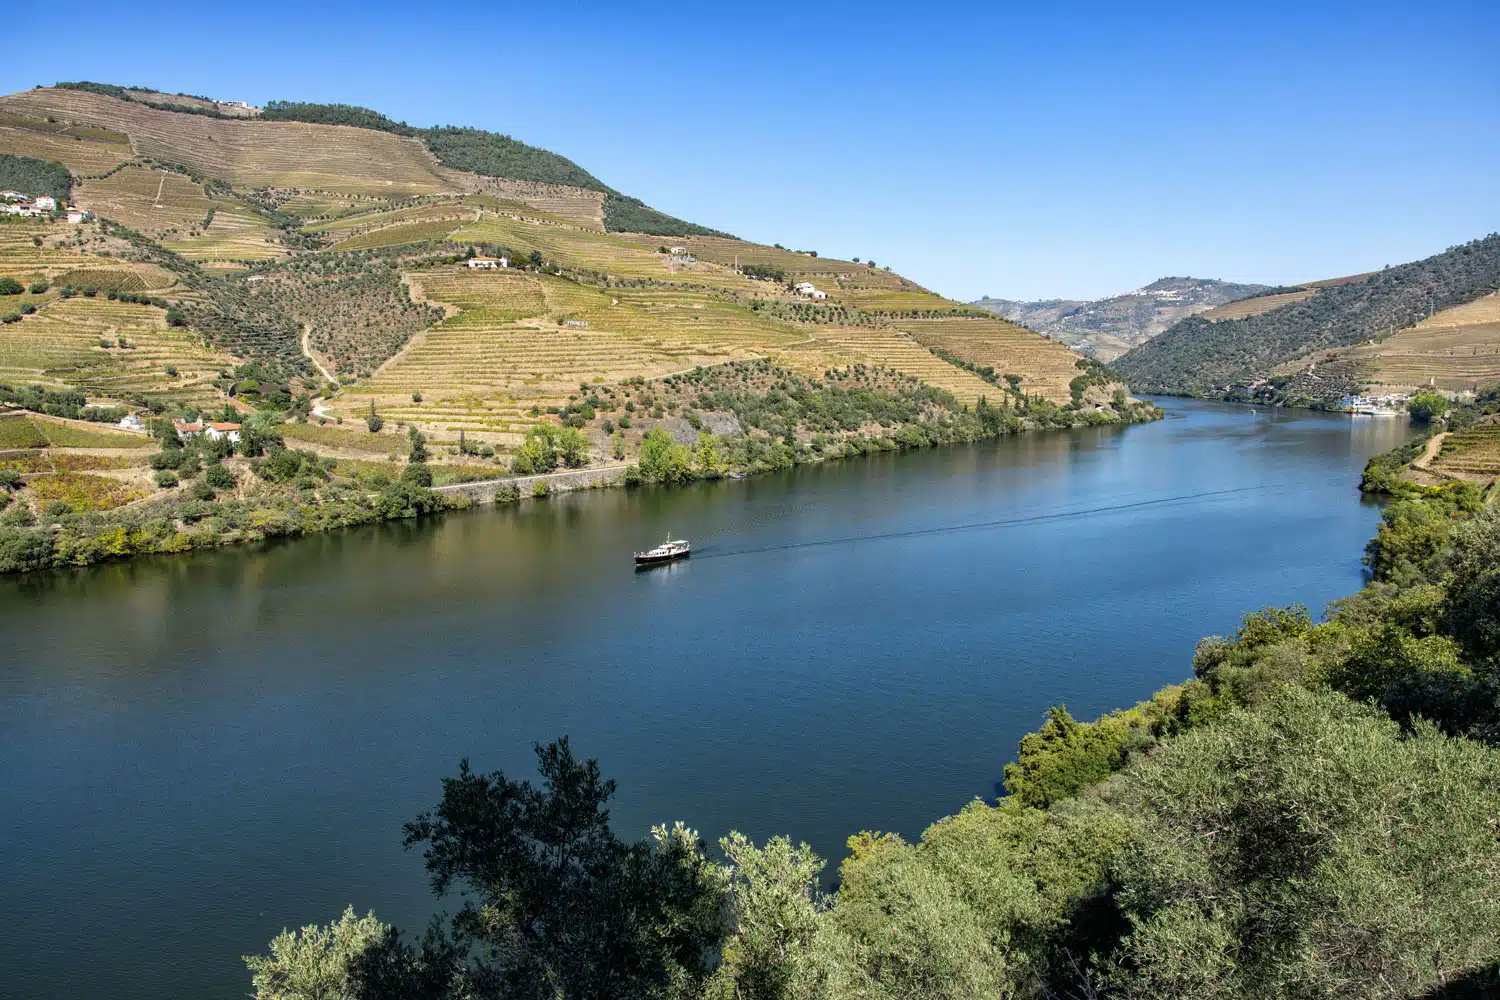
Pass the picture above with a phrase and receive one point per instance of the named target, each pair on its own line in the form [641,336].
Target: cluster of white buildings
[488,263]
[20,203]
[1376,406]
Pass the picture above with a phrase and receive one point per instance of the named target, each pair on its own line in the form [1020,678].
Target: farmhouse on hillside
[488,263]
[12,196]
[216,430]
[209,429]
[77,215]
[677,250]
[45,202]
[806,288]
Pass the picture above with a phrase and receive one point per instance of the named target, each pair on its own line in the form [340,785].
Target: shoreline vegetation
[1316,804]
[739,418]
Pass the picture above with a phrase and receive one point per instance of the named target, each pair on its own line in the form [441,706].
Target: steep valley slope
[1383,329]
[259,236]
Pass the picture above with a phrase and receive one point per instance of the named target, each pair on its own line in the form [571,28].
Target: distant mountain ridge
[1110,326]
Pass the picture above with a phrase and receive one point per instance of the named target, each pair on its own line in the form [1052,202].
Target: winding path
[1434,445]
[305,342]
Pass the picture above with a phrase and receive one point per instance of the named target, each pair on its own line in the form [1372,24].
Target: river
[201,750]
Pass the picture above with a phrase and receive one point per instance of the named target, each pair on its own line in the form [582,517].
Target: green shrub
[417,474]
[166,479]
[1427,406]
[219,477]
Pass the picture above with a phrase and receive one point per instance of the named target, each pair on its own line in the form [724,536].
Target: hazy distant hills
[1111,326]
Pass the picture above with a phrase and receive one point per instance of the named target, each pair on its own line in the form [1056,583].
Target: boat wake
[712,552]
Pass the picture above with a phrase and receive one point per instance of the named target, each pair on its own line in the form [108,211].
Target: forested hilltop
[1312,813]
[1232,358]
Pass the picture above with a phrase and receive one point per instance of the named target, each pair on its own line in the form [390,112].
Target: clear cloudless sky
[1020,150]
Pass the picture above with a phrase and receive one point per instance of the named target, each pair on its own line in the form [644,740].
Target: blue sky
[1070,151]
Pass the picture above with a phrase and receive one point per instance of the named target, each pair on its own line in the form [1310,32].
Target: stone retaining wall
[557,482]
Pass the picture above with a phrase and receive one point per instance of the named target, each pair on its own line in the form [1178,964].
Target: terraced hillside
[249,153]
[323,242]
[108,348]
[577,205]
[1472,453]
[181,215]
[86,151]
[1045,366]
[112,350]
[1455,349]
[1254,306]
[524,340]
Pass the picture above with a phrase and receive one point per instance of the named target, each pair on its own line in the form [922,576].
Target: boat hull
[644,560]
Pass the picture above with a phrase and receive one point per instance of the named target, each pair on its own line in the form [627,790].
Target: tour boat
[665,552]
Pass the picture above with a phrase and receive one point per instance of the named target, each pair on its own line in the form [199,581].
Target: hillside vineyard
[384,311]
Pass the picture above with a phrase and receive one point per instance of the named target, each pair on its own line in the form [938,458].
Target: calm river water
[199,751]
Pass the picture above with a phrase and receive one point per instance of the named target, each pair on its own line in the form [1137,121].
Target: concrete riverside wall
[557,482]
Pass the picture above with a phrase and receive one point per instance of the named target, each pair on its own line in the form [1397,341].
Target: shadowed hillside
[1231,357]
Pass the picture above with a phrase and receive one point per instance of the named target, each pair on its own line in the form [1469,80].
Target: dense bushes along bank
[1313,813]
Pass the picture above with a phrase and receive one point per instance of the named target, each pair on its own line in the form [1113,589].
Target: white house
[12,196]
[215,431]
[488,263]
[207,428]
[45,202]
[677,250]
[132,422]
[15,209]
[806,288]
[77,215]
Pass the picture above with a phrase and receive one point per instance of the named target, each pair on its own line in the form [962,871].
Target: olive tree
[314,962]
[1304,848]
[557,906]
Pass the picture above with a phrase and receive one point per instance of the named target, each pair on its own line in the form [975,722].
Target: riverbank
[692,426]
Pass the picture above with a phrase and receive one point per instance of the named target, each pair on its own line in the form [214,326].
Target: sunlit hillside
[330,246]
